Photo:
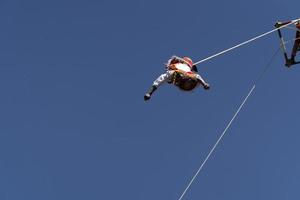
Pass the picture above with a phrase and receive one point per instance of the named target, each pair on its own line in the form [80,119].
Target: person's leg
[295,47]
[160,80]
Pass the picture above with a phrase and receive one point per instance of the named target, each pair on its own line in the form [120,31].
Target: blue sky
[74,124]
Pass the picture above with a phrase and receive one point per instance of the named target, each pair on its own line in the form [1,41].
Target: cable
[230,122]
[246,42]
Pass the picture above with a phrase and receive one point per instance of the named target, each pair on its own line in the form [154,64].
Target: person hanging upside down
[182,73]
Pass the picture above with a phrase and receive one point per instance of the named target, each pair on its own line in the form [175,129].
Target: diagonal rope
[246,42]
[230,122]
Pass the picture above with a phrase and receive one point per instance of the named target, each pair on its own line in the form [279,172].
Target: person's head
[188,61]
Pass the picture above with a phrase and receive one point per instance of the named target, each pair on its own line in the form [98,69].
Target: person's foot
[150,92]
[206,86]
[290,62]
[147,96]
[278,24]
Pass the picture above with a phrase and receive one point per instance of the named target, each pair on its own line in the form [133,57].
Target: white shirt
[183,67]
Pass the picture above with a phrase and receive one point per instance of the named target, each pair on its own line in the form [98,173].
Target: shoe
[147,96]
[290,62]
[150,92]
[278,24]
[206,86]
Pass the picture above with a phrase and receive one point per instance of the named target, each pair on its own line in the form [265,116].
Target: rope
[230,122]
[246,42]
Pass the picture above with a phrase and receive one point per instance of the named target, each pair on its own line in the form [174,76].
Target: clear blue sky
[74,124]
